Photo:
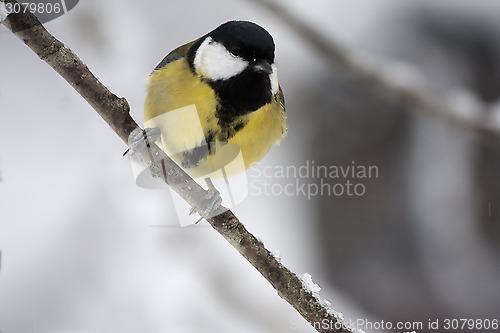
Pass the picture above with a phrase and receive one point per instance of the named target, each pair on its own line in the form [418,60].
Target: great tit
[218,96]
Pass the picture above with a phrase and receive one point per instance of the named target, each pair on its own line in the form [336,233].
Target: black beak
[261,66]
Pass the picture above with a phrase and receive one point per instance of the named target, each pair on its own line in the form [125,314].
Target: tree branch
[115,111]
[408,97]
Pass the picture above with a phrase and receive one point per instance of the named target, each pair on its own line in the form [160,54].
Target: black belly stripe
[230,123]
[193,157]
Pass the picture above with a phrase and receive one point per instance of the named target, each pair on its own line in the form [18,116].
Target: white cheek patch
[273,77]
[214,62]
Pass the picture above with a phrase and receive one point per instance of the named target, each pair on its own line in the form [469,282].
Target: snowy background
[81,250]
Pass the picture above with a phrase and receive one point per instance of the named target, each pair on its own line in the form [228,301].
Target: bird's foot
[141,139]
[211,202]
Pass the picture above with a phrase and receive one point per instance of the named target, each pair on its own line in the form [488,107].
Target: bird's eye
[236,50]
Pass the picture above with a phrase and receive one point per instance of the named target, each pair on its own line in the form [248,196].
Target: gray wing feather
[176,54]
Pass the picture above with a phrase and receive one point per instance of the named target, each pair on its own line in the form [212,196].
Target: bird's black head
[237,60]
[245,39]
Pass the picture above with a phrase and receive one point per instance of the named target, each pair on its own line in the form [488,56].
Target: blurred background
[83,249]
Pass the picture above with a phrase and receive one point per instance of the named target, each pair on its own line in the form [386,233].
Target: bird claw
[213,202]
[140,139]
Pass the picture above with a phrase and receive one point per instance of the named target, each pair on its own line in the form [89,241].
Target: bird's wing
[178,53]
[199,150]
[281,98]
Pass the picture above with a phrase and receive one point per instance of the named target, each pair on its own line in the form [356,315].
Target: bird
[217,97]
